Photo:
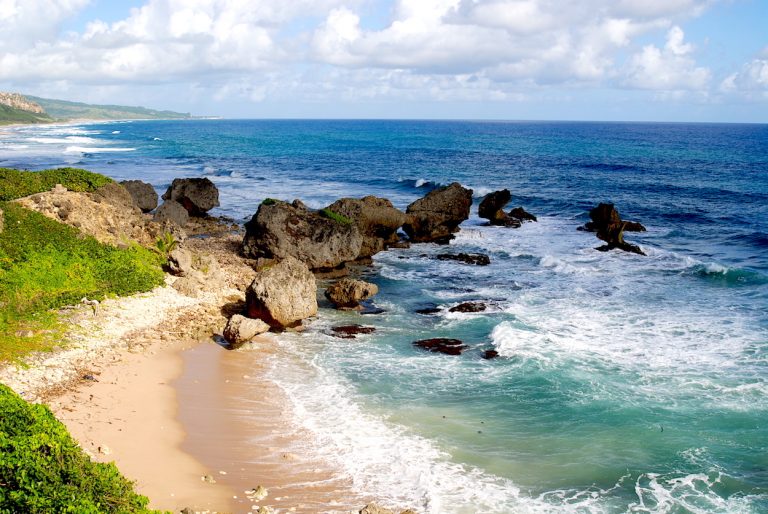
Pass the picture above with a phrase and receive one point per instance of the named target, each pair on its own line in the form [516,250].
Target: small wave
[95,149]
[718,273]
[418,183]
[156,139]
[63,140]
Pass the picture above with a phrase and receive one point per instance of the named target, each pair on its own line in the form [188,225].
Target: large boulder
[437,216]
[376,218]
[609,227]
[143,194]
[239,330]
[492,208]
[173,212]
[197,195]
[279,230]
[283,294]
[347,293]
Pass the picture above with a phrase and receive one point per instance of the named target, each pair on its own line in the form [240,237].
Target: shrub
[43,470]
[46,265]
[338,218]
[17,184]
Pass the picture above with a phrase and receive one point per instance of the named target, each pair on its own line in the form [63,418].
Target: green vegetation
[165,244]
[269,201]
[10,115]
[64,110]
[43,470]
[46,265]
[16,184]
[338,218]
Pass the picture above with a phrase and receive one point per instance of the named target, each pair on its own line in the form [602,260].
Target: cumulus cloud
[671,68]
[314,49]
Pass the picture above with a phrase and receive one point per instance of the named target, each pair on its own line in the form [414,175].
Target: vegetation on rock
[43,470]
[46,265]
[17,184]
[338,218]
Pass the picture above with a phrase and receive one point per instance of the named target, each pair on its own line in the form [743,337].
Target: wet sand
[239,423]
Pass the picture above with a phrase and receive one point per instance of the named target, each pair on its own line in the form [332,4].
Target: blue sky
[656,60]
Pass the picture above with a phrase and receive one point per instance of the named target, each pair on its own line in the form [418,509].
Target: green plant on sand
[165,244]
[42,469]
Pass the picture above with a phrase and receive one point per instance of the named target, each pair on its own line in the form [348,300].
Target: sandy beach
[142,382]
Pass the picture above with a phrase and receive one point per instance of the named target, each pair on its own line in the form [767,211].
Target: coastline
[159,397]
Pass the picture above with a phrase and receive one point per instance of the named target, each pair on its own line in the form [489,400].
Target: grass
[10,115]
[16,184]
[46,265]
[42,469]
[269,201]
[338,218]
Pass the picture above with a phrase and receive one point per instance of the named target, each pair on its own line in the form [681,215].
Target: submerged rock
[376,218]
[428,310]
[609,227]
[240,330]
[522,215]
[279,230]
[347,293]
[282,295]
[468,307]
[351,331]
[476,259]
[196,195]
[143,194]
[437,216]
[490,354]
[442,345]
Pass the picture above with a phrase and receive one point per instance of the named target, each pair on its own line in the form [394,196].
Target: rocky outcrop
[376,218]
[21,102]
[107,214]
[179,262]
[609,227]
[143,194]
[172,212]
[347,293]
[442,345]
[373,508]
[475,259]
[437,216]
[240,330]
[279,230]
[283,294]
[197,195]
[492,208]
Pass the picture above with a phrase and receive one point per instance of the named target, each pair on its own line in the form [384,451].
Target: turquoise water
[625,383]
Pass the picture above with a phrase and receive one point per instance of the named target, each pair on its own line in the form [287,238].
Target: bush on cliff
[46,265]
[43,470]
[17,184]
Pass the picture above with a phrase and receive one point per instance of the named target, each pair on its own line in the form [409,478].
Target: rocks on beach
[351,331]
[196,195]
[609,227]
[347,293]
[172,212]
[279,230]
[239,330]
[437,216]
[143,194]
[376,218]
[283,294]
[469,307]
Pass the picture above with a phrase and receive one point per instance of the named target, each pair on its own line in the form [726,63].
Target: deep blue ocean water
[626,383]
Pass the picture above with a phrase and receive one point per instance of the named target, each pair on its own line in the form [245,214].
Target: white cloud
[752,77]
[669,69]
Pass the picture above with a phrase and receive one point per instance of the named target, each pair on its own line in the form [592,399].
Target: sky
[619,60]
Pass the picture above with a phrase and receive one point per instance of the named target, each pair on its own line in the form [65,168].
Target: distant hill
[64,110]
[16,108]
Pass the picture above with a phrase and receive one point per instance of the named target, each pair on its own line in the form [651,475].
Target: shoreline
[190,446]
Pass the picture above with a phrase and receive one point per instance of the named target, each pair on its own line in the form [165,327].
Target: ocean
[625,383]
